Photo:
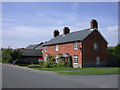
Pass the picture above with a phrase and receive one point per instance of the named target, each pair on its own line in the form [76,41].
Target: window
[46,48]
[75,45]
[75,59]
[56,48]
[97,60]
[95,46]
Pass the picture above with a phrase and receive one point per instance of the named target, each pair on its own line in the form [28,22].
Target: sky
[25,23]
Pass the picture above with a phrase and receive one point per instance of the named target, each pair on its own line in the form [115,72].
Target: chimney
[93,24]
[55,33]
[66,30]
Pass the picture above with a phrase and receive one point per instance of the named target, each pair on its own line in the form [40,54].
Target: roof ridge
[76,31]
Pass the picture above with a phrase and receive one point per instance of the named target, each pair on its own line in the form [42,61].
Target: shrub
[69,64]
[50,62]
[61,64]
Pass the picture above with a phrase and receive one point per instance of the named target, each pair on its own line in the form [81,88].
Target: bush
[69,64]
[61,64]
[50,62]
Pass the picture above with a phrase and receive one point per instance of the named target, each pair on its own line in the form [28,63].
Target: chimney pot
[55,33]
[93,24]
[66,30]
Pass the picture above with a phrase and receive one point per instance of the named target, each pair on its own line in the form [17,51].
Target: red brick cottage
[87,47]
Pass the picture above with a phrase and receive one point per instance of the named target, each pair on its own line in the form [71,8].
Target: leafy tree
[6,55]
[117,53]
[16,54]
[111,51]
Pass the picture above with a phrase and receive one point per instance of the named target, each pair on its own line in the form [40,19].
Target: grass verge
[94,72]
[57,69]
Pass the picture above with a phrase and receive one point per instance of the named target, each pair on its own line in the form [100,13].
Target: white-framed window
[56,47]
[95,46]
[97,60]
[75,59]
[46,48]
[75,45]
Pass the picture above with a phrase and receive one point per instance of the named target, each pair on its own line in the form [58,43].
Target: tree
[9,54]
[6,55]
[16,54]
[117,53]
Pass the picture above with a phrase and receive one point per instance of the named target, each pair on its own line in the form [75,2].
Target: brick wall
[65,48]
[89,54]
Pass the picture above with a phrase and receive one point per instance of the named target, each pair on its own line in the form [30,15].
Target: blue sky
[25,23]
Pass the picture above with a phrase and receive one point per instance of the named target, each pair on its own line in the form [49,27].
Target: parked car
[19,61]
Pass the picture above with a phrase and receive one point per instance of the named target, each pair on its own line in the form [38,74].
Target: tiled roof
[31,52]
[70,37]
[35,46]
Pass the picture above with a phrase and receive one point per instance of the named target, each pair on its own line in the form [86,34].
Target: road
[21,77]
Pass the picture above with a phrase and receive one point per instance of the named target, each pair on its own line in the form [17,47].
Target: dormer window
[95,46]
[75,45]
[56,47]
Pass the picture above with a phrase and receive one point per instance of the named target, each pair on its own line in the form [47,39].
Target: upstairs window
[75,45]
[95,46]
[56,48]
[75,59]
[46,48]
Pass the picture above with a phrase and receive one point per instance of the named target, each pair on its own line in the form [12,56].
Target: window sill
[75,63]
[75,49]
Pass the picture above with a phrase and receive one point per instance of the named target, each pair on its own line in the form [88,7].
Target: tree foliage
[9,54]
[115,52]
[49,62]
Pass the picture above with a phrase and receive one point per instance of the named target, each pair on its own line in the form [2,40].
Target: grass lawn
[86,71]
[57,69]
[94,72]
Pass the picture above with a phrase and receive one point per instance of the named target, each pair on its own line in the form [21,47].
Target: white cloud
[111,34]
[24,35]
[113,28]
[82,25]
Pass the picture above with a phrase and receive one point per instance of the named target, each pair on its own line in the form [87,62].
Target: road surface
[21,77]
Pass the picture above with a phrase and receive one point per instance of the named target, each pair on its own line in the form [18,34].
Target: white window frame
[75,59]
[75,45]
[95,46]
[97,60]
[56,47]
[46,48]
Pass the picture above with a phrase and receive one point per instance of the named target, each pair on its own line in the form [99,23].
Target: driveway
[21,77]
